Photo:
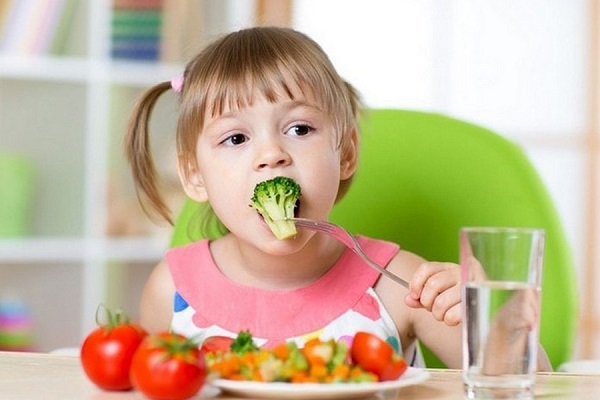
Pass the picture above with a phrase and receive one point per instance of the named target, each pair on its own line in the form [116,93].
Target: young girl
[256,104]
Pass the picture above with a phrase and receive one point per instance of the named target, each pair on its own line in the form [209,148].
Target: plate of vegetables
[283,390]
[320,369]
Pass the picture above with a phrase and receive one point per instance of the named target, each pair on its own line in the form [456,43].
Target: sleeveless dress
[336,306]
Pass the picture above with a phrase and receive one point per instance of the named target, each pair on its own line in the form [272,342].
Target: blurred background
[71,233]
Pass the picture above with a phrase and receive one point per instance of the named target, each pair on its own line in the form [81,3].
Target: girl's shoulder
[193,249]
[179,260]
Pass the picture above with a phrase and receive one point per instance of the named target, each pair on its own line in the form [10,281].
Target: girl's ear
[193,184]
[349,159]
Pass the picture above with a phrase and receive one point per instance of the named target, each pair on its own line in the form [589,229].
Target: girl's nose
[272,155]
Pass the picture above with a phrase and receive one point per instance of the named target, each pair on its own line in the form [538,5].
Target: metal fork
[349,240]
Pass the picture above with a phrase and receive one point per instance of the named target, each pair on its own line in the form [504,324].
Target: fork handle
[382,270]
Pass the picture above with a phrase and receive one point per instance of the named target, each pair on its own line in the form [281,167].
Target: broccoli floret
[243,343]
[275,199]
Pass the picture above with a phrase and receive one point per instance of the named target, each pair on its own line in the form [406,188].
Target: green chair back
[422,176]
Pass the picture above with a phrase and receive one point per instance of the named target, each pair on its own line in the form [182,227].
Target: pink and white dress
[336,306]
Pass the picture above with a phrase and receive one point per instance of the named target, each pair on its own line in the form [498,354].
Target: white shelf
[54,250]
[34,250]
[143,249]
[141,74]
[45,68]
[79,70]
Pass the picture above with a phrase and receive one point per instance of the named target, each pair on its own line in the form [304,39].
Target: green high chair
[422,176]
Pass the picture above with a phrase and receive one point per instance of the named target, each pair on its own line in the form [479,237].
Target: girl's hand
[436,286]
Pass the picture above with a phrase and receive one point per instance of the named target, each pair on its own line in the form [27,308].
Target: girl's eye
[300,130]
[235,139]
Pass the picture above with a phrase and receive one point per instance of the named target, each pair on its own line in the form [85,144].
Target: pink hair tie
[177,83]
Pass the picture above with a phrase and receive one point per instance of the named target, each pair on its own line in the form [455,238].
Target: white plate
[281,390]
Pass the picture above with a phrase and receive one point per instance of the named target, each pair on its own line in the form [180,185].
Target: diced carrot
[281,351]
[237,377]
[299,377]
[319,371]
[248,358]
[228,366]
[257,376]
[317,351]
[340,372]
[356,371]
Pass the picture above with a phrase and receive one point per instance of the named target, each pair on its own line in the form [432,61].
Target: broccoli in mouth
[276,199]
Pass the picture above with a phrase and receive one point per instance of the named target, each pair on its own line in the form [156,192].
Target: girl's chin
[282,247]
[289,242]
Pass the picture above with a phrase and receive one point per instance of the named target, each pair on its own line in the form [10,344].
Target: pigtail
[139,154]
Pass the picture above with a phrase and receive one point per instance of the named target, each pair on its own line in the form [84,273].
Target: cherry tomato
[377,356]
[168,366]
[214,344]
[107,351]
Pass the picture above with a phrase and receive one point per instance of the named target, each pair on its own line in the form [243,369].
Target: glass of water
[502,281]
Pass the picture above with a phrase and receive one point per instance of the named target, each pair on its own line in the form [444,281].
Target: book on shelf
[148,30]
[136,27]
[35,27]
[156,30]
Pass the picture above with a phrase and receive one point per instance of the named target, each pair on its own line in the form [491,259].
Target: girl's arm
[156,307]
[437,322]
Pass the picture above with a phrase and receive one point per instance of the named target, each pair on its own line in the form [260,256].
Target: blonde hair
[230,73]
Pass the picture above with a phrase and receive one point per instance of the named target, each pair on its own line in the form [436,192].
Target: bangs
[260,63]
[270,63]
[234,93]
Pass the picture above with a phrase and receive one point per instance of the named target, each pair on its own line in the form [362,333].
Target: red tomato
[168,366]
[216,343]
[377,356]
[393,369]
[107,351]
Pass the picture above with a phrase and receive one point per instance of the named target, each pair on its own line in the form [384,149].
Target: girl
[260,103]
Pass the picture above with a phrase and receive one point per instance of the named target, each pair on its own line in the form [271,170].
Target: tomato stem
[113,319]
[177,346]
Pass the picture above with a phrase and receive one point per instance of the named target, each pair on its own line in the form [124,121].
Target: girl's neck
[249,266]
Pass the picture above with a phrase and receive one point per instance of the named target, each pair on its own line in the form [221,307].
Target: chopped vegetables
[317,362]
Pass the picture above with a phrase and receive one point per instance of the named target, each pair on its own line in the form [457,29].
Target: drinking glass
[502,282]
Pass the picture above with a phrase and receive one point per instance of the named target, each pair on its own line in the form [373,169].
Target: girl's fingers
[424,273]
[412,302]
[453,316]
[436,287]
[446,307]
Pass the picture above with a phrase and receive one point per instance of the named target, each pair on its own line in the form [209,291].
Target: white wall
[515,66]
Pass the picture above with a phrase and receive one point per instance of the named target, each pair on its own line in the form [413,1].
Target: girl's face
[244,146]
